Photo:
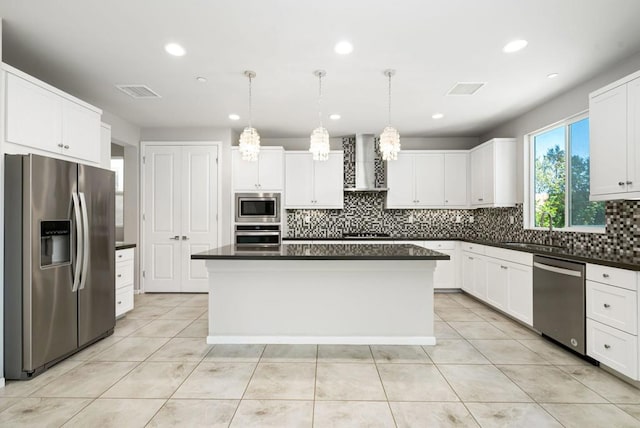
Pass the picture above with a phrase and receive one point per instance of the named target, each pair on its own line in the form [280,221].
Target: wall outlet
[458,219]
[307,219]
[471,219]
[512,219]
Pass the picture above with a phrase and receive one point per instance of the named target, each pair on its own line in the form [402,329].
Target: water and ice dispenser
[55,242]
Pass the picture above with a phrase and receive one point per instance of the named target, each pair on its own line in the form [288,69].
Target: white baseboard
[2,384]
[322,340]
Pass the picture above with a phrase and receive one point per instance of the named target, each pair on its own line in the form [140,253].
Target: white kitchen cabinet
[124,281]
[612,318]
[445,276]
[474,276]
[314,184]
[265,174]
[493,174]
[497,284]
[614,132]
[456,180]
[416,180]
[44,118]
[502,278]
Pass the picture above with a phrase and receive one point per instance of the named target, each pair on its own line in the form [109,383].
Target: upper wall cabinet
[493,174]
[41,117]
[314,184]
[614,127]
[267,173]
[427,179]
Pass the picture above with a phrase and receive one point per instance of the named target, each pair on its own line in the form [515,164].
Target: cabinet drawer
[519,257]
[439,245]
[122,255]
[613,306]
[612,347]
[124,273]
[473,248]
[613,276]
[124,300]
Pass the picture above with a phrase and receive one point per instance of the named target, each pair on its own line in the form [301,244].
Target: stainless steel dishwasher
[559,301]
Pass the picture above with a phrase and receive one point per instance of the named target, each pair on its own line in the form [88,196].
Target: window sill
[594,230]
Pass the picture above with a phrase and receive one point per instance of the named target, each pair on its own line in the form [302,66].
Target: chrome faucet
[548,214]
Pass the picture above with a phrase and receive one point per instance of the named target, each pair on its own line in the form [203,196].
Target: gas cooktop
[360,235]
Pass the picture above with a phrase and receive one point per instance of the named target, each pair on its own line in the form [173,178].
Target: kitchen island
[321,294]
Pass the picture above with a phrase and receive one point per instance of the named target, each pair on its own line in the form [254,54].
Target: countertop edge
[125,246]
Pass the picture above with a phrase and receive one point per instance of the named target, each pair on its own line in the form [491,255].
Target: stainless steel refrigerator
[59,250]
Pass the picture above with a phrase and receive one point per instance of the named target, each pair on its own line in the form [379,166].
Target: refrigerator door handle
[79,242]
[85,249]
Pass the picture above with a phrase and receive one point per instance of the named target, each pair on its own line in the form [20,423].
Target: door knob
[175,238]
[606,305]
[620,183]
[185,238]
[629,182]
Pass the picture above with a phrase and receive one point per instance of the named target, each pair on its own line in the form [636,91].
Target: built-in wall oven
[257,207]
[257,235]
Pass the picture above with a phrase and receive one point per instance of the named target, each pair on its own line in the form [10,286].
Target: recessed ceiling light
[344,47]
[437,116]
[552,75]
[174,49]
[335,116]
[515,46]
[234,116]
[201,79]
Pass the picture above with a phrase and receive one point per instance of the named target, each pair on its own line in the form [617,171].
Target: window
[560,178]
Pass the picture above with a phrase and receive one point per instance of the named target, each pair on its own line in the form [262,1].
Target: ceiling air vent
[465,88]
[138,91]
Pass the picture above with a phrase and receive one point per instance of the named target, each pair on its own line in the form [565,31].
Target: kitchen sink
[534,246]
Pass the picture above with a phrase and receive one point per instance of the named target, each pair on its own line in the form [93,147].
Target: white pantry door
[162,246]
[180,209]
[199,213]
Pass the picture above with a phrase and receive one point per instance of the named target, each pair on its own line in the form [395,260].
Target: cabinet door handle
[480,199]
[61,145]
[629,182]
[119,275]
[607,346]
[503,267]
[620,183]
[119,302]
[470,258]
[606,305]
[66,146]
[119,256]
[605,275]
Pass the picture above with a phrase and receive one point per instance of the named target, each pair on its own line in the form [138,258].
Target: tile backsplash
[364,212]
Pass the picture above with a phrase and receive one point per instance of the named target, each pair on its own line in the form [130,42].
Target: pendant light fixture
[319,144]
[249,139]
[390,138]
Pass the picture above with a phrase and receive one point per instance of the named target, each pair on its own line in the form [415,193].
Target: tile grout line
[247,385]
[315,388]
[386,396]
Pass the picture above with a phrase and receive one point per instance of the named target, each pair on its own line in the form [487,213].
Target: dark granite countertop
[575,254]
[124,245]
[324,252]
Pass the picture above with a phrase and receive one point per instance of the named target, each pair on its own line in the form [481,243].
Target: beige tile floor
[156,370]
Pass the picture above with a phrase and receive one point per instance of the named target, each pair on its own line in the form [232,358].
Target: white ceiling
[85,47]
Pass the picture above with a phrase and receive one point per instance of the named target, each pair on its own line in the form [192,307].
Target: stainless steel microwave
[257,207]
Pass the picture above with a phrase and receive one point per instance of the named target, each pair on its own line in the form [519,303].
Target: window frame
[529,163]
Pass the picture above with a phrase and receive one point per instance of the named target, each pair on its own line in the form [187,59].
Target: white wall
[567,104]
[227,137]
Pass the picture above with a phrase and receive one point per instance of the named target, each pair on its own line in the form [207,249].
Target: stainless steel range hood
[365,165]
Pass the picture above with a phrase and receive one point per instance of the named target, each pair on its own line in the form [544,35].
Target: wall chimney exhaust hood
[365,165]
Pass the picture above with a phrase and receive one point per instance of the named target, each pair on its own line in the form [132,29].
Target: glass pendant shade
[249,144]
[319,145]
[390,137]
[319,142]
[389,143]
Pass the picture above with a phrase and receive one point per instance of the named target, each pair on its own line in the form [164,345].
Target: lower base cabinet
[501,278]
[124,281]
